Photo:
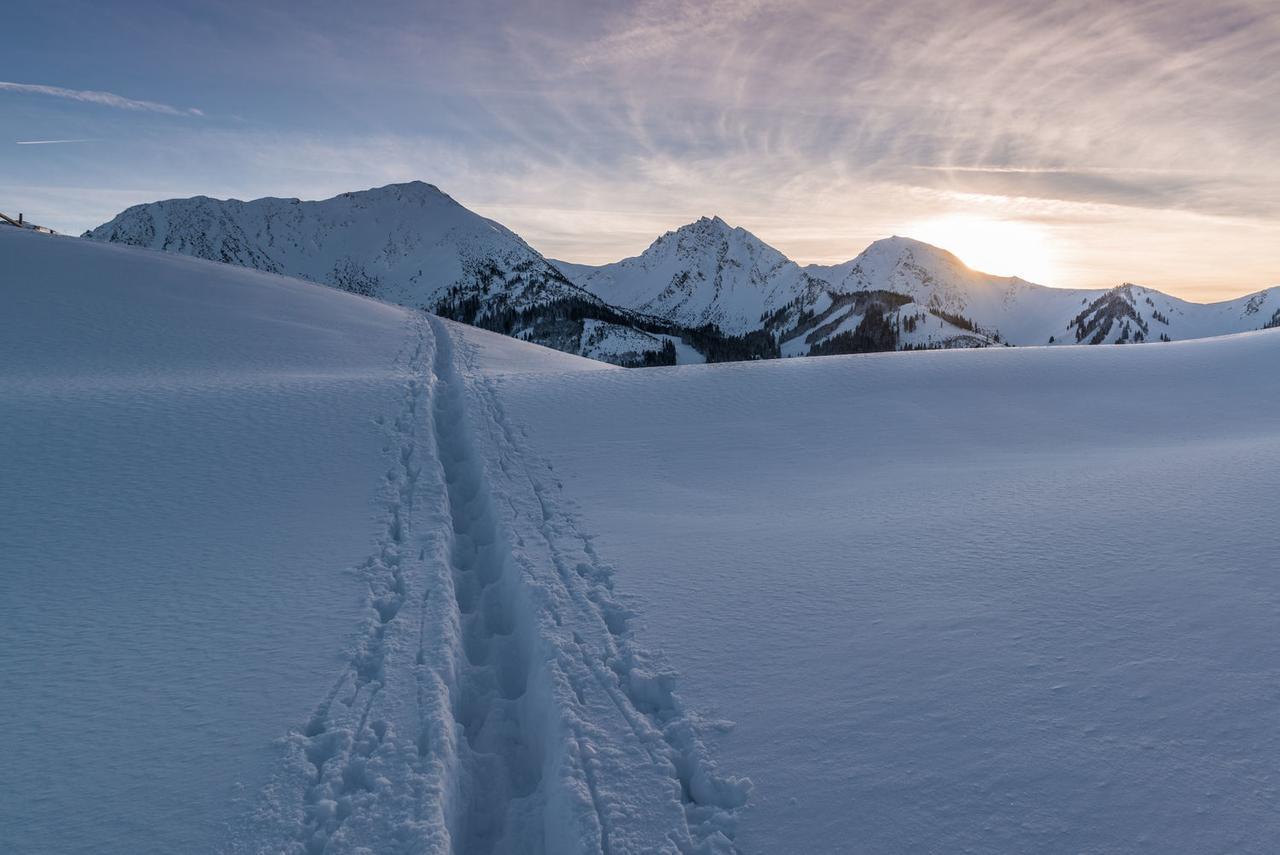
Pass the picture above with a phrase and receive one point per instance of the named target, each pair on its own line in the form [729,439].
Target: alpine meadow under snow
[288,569]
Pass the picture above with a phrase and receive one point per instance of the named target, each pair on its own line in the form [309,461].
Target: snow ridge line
[605,652]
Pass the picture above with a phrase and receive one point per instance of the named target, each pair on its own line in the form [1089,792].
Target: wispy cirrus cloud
[825,123]
[1140,134]
[51,142]
[106,99]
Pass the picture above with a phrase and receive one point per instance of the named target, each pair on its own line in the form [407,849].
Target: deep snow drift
[278,578]
[1010,600]
[286,570]
[189,482]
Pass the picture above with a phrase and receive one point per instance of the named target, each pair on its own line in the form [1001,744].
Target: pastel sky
[1079,143]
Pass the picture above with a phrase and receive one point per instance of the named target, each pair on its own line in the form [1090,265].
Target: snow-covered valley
[286,569]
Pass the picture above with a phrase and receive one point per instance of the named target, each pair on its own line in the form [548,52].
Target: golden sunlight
[999,247]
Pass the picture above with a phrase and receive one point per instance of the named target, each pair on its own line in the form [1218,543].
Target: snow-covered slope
[707,272]
[275,577]
[1002,600]
[409,244]
[710,272]
[191,472]
[706,291]
[572,270]
[627,345]
[289,570]
[1023,313]
[1132,313]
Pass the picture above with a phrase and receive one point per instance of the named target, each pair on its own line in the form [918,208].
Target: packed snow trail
[633,748]
[494,701]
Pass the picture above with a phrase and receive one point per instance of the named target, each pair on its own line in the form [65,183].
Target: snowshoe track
[501,741]
[493,700]
[639,686]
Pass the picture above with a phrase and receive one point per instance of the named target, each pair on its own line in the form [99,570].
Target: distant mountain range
[704,292]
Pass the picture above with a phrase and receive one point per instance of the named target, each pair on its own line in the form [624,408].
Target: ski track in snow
[494,699]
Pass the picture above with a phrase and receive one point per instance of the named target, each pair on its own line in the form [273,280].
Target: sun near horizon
[1070,144]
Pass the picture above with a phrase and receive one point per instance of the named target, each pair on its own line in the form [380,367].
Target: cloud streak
[105,99]
[820,124]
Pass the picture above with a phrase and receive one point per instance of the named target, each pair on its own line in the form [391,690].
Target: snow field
[490,706]
[965,601]
[190,472]
[286,570]
[332,607]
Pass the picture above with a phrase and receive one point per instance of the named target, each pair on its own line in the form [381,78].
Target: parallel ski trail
[493,701]
[501,747]
[638,687]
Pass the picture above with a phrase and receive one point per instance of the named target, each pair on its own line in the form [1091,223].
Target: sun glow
[1000,247]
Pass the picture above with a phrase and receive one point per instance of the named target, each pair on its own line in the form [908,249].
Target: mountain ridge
[706,290]
[990,309]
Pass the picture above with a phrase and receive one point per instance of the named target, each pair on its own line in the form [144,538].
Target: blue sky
[1083,142]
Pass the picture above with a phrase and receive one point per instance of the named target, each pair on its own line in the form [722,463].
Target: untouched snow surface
[1010,600]
[190,463]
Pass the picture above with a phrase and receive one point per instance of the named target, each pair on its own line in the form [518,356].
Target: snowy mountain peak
[409,190]
[410,244]
[705,229]
[407,243]
[931,276]
[705,272]
[711,285]
[899,250]
[714,224]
